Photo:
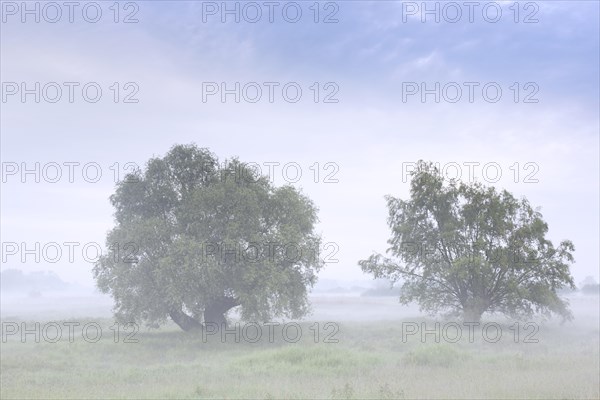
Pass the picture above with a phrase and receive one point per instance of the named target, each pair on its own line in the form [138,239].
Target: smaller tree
[469,249]
[589,286]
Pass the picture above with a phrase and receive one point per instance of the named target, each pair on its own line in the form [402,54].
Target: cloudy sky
[362,115]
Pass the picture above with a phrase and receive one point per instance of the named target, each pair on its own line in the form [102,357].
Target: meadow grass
[369,361]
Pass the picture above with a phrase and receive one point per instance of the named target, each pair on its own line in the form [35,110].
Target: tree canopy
[193,239]
[469,249]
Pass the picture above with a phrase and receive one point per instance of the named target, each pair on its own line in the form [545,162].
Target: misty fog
[300,199]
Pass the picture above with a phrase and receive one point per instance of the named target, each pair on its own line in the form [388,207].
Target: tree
[469,249]
[589,286]
[193,240]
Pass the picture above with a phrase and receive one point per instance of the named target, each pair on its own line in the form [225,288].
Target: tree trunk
[474,308]
[472,315]
[214,313]
[184,321]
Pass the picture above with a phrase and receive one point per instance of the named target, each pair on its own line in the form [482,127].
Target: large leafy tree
[193,239]
[469,249]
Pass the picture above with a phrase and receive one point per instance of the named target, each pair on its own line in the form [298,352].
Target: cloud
[370,133]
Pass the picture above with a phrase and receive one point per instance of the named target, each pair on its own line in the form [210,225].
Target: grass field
[370,360]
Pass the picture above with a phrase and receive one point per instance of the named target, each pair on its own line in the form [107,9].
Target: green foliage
[170,364]
[385,392]
[326,359]
[347,392]
[207,238]
[441,355]
[467,248]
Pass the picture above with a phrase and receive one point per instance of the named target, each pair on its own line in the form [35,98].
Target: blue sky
[369,133]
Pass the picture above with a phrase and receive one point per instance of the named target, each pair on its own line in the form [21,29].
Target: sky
[369,74]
